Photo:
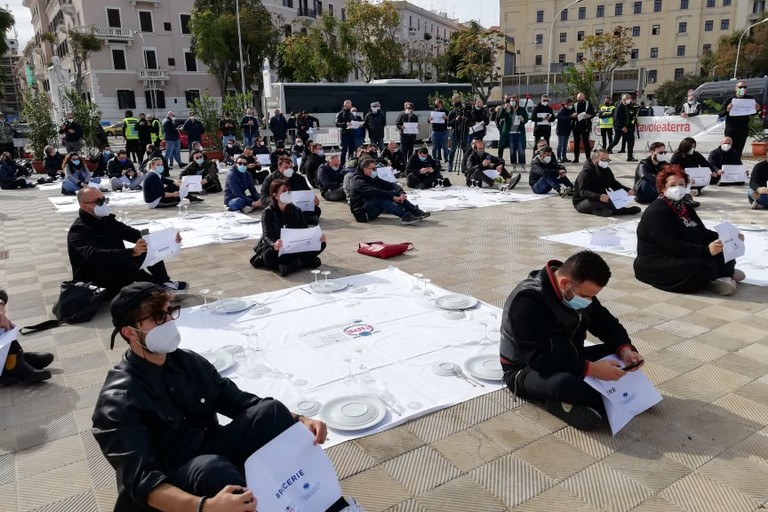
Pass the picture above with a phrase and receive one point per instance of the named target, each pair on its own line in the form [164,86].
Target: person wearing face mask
[144,131]
[297,152]
[159,191]
[76,174]
[227,129]
[478,120]
[131,136]
[563,129]
[330,179]
[605,123]
[479,161]
[295,181]
[13,175]
[151,153]
[646,172]
[542,115]
[200,165]
[686,157]
[52,163]
[344,121]
[97,252]
[458,122]
[423,171]
[122,173]
[194,130]
[278,125]
[546,174]
[407,140]
[583,112]
[675,251]
[543,329]
[172,141]
[724,155]
[281,213]
[374,123]
[312,162]
[737,127]
[438,120]
[370,196]
[590,192]
[690,108]
[625,123]
[73,133]
[240,192]
[7,134]
[231,150]
[100,162]
[155,418]
[511,119]
[394,157]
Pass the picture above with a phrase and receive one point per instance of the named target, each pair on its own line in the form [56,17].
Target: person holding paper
[407,140]
[97,252]
[200,165]
[546,174]
[254,166]
[155,418]
[330,179]
[122,172]
[159,191]
[423,171]
[513,119]
[227,129]
[675,251]
[543,328]
[279,214]
[295,181]
[583,113]
[479,119]
[479,161]
[344,121]
[373,123]
[590,192]
[240,192]
[394,157]
[758,186]
[563,129]
[737,126]
[690,108]
[542,115]
[724,155]
[20,366]
[438,120]
[370,196]
[686,157]
[646,172]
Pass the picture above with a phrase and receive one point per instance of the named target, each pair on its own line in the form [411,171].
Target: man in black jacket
[545,322]
[156,417]
[546,174]
[542,116]
[97,252]
[645,174]
[478,162]
[424,171]
[295,181]
[624,125]
[144,130]
[407,140]
[311,162]
[583,113]
[122,173]
[737,127]
[724,155]
[330,179]
[371,196]
[374,123]
[394,157]
[590,193]
[344,121]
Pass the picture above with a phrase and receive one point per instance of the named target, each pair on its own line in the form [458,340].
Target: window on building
[189,61]
[167,26]
[638,8]
[539,16]
[758,6]
[113,18]
[655,30]
[343,14]
[580,35]
[654,53]
[656,5]
[151,59]
[564,15]
[681,50]
[600,12]
[618,10]
[635,31]
[155,98]
[579,57]
[709,25]
[145,21]
[582,13]
[679,73]
[563,37]
[126,99]
[726,3]
[537,61]
[184,18]
[651,75]
[725,24]
[330,9]
[319,7]
[683,4]
[682,27]
[288,3]
[561,58]
[539,39]
[118,58]
[288,30]
[598,31]
[710,3]
[171,62]
[634,54]
[707,48]
[191,96]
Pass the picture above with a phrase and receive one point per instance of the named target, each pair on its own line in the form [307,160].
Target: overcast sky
[464,10]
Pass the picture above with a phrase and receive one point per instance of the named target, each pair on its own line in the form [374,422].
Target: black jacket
[208,171]
[734,124]
[150,419]
[74,136]
[364,187]
[342,118]
[585,125]
[542,109]
[539,169]
[718,158]
[688,161]
[474,162]
[625,116]
[592,182]
[396,160]
[115,168]
[406,118]
[415,165]
[374,124]
[309,166]
[646,171]
[328,178]
[144,130]
[295,182]
[759,176]
[540,332]
[564,121]
[272,221]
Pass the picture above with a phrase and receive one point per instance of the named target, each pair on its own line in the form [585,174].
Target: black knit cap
[126,301]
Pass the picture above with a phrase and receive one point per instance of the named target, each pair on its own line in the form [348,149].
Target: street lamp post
[240,45]
[738,47]
[551,32]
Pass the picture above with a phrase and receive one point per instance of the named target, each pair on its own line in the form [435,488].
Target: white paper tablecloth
[309,339]
[132,199]
[201,231]
[459,198]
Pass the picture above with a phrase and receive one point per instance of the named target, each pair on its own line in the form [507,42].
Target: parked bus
[724,89]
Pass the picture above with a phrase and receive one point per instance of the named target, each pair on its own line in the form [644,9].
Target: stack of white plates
[484,366]
[455,302]
[352,413]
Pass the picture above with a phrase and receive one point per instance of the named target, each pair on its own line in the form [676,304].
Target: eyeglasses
[160,317]
[100,201]
[661,153]
[242,163]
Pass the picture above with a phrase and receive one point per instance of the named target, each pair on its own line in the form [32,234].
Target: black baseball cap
[126,301]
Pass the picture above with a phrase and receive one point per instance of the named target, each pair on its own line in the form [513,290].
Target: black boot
[38,360]
[21,372]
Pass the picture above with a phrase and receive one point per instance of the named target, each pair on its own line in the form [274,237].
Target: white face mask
[101,210]
[544,102]
[725,147]
[546,159]
[285,198]
[409,111]
[374,110]
[163,339]
[288,172]
[513,103]
[661,157]
[603,164]
[691,151]
[675,193]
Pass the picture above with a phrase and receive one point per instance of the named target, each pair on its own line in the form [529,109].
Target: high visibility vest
[157,126]
[129,128]
[606,122]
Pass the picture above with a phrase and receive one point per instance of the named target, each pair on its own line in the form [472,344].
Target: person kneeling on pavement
[240,192]
[590,194]
[424,172]
[201,165]
[97,252]
[156,422]
[21,367]
[478,163]
[370,196]
[543,329]
[546,174]
[281,213]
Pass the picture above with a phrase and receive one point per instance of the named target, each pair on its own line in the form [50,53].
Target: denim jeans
[227,138]
[517,148]
[439,141]
[70,187]
[544,184]
[122,181]
[248,140]
[238,203]
[173,152]
[562,147]
[376,206]
[763,199]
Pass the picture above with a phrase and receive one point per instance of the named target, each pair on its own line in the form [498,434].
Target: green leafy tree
[604,54]
[675,92]
[753,59]
[84,113]
[373,29]
[82,44]
[477,53]
[576,81]
[236,104]
[36,111]
[208,111]
[325,52]
[296,60]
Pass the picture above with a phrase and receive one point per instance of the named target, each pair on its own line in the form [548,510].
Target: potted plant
[206,109]
[42,129]
[759,138]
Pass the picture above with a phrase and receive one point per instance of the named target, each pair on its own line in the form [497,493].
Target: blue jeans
[645,193]
[70,187]
[122,181]
[439,141]
[173,152]
[517,148]
[376,206]
[238,203]
[227,138]
[763,199]
[562,147]
[248,140]
[544,185]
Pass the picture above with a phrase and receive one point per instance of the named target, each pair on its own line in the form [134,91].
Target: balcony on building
[307,13]
[111,33]
[68,8]
[145,2]
[148,75]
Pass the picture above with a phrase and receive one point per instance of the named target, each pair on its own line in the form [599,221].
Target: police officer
[131,136]
[606,121]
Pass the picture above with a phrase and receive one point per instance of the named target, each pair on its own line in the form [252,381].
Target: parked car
[114,130]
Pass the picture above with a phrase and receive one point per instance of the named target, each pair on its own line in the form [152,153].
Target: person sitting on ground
[478,162]
[590,193]
[159,191]
[101,162]
[163,440]
[675,251]
[276,154]
[330,179]
[370,196]
[76,174]
[97,251]
[424,171]
[546,174]
[758,186]
[240,192]
[255,169]
[295,182]
[543,328]
[20,366]
[259,148]
[281,213]
[151,152]
[122,172]
[646,172]
[231,150]
[312,162]
[297,152]
[201,165]
[394,158]
[687,157]
[13,175]
[724,155]
[53,163]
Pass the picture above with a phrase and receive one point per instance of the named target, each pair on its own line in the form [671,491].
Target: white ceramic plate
[455,302]
[226,306]
[220,360]
[464,206]
[234,236]
[323,286]
[503,198]
[233,350]
[138,222]
[306,407]
[192,216]
[352,413]
[248,221]
[750,227]
[484,366]
[445,369]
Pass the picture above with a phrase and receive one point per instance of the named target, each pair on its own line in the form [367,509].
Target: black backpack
[77,303]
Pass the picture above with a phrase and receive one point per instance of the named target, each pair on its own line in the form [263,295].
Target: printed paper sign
[161,245]
[700,176]
[734,174]
[411,128]
[386,174]
[300,240]
[304,200]
[742,107]
[192,183]
[437,117]
[619,198]
[733,246]
[263,159]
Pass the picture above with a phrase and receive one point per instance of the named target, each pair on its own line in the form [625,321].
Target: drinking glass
[217,298]
[428,294]
[416,288]
[315,272]
[204,292]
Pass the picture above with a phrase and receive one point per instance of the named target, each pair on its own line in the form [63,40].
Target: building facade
[670,37]
[10,98]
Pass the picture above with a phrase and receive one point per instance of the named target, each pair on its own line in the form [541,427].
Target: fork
[458,372]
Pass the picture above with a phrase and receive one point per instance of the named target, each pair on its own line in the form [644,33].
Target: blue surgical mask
[159,169]
[374,174]
[242,168]
[107,153]
[577,302]
[199,161]
[423,158]
[76,162]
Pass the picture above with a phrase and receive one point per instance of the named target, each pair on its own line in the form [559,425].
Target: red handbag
[382,250]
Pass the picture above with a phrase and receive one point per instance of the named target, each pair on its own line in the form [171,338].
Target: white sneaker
[246,209]
[739,275]
[722,286]
[353,506]
[176,285]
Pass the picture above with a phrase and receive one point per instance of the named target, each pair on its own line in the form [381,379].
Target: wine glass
[217,298]
[428,294]
[204,292]
[350,377]
[416,288]
[315,272]
[181,212]
[325,273]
